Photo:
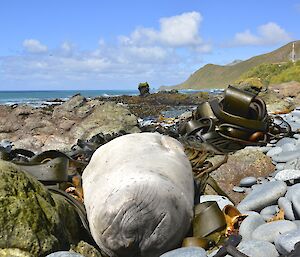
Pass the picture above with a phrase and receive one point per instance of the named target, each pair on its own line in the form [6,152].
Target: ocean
[42,98]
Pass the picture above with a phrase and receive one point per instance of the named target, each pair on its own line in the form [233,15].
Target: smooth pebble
[248,181]
[287,207]
[249,225]
[186,252]
[285,242]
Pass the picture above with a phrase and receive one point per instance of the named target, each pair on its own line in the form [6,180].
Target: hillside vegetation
[272,73]
[217,76]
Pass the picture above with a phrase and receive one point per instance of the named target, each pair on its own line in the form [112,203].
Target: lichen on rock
[31,219]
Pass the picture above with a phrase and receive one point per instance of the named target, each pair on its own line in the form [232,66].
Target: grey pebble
[287,174]
[248,181]
[280,166]
[186,252]
[257,248]
[275,150]
[285,242]
[286,205]
[270,231]
[267,217]
[296,204]
[286,140]
[293,164]
[238,189]
[269,210]
[297,222]
[286,156]
[64,254]
[289,147]
[262,196]
[292,190]
[249,225]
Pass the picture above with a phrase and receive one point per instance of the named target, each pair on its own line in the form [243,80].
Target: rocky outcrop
[59,127]
[33,222]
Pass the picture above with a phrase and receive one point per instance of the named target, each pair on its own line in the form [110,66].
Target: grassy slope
[216,76]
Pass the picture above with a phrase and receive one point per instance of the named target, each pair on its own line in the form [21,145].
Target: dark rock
[144,89]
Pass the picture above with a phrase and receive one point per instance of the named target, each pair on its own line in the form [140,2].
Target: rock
[86,249]
[248,181]
[293,164]
[144,89]
[59,127]
[241,164]
[280,166]
[270,231]
[222,201]
[263,195]
[274,151]
[285,140]
[64,254]
[238,189]
[285,242]
[186,252]
[288,147]
[287,174]
[30,218]
[257,248]
[296,204]
[14,252]
[139,188]
[269,210]
[286,156]
[287,207]
[249,224]
[295,189]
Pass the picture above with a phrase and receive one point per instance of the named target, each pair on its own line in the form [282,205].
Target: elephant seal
[138,192]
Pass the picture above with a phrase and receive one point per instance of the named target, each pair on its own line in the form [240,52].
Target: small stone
[293,164]
[222,201]
[248,181]
[269,210]
[249,225]
[297,222]
[286,156]
[64,254]
[285,140]
[286,205]
[295,189]
[275,150]
[280,166]
[267,217]
[288,147]
[287,174]
[265,149]
[296,204]
[238,189]
[270,231]
[263,195]
[186,252]
[285,242]
[256,248]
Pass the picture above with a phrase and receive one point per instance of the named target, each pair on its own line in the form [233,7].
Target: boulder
[31,219]
[243,163]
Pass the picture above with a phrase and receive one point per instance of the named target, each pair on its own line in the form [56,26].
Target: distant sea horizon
[39,98]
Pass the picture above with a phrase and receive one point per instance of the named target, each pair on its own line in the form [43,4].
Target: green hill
[217,76]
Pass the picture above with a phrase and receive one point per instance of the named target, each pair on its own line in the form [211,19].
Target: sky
[116,44]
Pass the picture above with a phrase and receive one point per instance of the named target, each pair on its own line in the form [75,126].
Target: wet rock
[285,242]
[249,225]
[263,195]
[186,252]
[248,181]
[64,254]
[31,218]
[270,231]
[222,201]
[287,207]
[257,248]
[243,163]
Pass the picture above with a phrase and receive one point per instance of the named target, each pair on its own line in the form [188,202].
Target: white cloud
[176,31]
[267,34]
[34,46]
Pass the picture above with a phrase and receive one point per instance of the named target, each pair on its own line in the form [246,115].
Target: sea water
[40,98]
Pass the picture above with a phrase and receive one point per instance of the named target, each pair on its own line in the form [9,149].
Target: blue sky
[115,44]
